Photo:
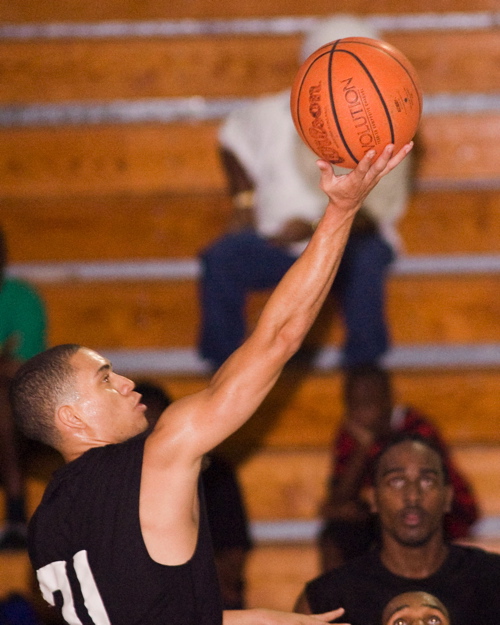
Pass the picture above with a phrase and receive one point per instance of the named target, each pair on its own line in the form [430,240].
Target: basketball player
[121,535]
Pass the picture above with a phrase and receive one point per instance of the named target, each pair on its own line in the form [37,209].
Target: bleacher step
[130,67]
[151,313]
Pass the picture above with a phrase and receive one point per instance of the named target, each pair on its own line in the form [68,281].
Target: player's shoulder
[97,472]
[93,462]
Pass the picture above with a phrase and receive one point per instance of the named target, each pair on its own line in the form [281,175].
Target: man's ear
[370,497]
[68,418]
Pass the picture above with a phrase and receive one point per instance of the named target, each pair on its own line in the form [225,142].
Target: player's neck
[414,562]
[77,448]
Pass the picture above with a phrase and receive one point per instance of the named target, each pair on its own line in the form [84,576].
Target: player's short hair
[37,389]
[412,437]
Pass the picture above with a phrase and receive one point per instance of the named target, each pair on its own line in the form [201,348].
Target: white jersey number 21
[53,577]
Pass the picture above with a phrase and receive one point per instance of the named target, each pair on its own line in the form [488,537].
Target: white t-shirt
[263,138]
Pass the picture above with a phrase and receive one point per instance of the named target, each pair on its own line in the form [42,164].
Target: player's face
[107,401]
[410,495]
[415,608]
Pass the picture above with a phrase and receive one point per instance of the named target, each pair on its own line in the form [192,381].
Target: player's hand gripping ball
[353,95]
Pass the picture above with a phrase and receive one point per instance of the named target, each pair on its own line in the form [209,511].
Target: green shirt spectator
[22,335]
[22,320]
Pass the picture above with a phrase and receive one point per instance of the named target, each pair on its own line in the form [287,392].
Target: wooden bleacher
[133,313]
[80,192]
[233,66]
[21,11]
[181,158]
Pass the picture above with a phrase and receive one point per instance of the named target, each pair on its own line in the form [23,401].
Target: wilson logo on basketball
[317,130]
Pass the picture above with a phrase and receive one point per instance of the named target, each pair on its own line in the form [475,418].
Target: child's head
[415,608]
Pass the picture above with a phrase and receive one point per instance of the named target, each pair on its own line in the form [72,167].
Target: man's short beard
[415,543]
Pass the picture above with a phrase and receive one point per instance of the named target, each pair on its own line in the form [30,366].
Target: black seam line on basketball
[417,88]
[332,104]
[389,119]
[299,92]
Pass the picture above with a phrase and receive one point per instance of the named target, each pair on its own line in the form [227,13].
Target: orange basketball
[355,94]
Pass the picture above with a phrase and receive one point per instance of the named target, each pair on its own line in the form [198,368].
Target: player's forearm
[263,616]
[296,301]
[257,616]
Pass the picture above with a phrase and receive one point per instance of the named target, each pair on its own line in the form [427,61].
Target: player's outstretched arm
[201,421]
[262,616]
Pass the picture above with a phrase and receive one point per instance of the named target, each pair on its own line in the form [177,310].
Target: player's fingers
[324,166]
[368,168]
[326,617]
[397,158]
[378,166]
[327,174]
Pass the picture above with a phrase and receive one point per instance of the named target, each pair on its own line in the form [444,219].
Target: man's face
[106,401]
[415,608]
[410,495]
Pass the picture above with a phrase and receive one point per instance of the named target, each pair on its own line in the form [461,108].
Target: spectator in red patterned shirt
[370,420]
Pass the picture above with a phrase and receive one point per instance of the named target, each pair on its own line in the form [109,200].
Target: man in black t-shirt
[121,536]
[410,497]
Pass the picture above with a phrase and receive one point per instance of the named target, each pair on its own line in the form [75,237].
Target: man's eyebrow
[402,469]
[105,367]
[434,607]
[401,607]
[391,470]
[426,605]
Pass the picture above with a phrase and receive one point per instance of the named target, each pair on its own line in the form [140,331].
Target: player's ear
[370,496]
[68,417]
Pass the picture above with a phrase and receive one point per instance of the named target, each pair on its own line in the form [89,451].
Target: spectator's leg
[233,266]
[360,287]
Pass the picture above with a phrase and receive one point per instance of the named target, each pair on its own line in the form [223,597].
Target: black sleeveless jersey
[86,545]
